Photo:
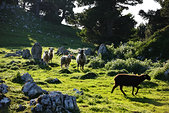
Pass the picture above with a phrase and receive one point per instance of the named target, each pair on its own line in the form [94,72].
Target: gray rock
[36,51]
[78,92]
[5,100]
[62,51]
[3,88]
[88,51]
[32,90]
[26,54]
[19,52]
[37,108]
[11,54]
[56,102]
[70,103]
[32,102]
[102,49]
[21,108]
[2,52]
[26,77]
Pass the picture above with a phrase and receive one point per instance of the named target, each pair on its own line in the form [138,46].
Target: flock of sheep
[66,59]
[120,79]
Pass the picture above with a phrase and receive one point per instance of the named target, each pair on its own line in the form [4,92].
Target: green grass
[153,97]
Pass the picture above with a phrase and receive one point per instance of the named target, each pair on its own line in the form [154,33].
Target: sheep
[65,60]
[45,57]
[50,53]
[129,80]
[81,59]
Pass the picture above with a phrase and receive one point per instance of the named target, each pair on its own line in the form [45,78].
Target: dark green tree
[53,10]
[156,19]
[103,21]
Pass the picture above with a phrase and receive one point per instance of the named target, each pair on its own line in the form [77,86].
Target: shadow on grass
[45,67]
[53,64]
[5,109]
[148,84]
[145,100]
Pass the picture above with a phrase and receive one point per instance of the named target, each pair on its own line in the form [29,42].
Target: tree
[53,10]
[104,22]
[156,19]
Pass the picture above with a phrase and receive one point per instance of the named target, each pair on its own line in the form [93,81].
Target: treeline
[103,21]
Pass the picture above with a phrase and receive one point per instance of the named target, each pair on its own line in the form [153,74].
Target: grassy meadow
[153,96]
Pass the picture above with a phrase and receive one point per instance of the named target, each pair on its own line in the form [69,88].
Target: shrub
[115,72]
[131,65]
[158,73]
[96,63]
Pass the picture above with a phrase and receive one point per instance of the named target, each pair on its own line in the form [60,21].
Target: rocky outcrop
[102,49]
[36,52]
[3,89]
[88,51]
[26,77]
[31,89]
[26,54]
[62,51]
[55,102]
[3,99]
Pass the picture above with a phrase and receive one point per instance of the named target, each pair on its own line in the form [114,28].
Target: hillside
[21,32]
[156,47]
[21,29]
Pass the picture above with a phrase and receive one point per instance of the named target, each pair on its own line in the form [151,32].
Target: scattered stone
[26,54]
[19,52]
[2,52]
[31,90]
[89,75]
[26,77]
[53,81]
[11,54]
[32,102]
[3,88]
[62,51]
[55,102]
[78,92]
[5,101]
[102,49]
[36,52]
[21,108]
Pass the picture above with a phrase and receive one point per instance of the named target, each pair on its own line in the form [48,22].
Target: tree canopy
[104,22]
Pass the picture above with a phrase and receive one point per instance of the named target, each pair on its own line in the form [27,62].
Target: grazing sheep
[45,57]
[129,80]
[81,59]
[51,53]
[66,60]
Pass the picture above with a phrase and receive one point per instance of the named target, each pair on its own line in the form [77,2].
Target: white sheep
[45,57]
[81,59]
[50,53]
[65,60]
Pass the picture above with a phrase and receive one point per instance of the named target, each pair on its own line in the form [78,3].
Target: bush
[115,72]
[96,63]
[158,73]
[131,65]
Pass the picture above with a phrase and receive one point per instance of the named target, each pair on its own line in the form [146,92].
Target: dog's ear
[49,48]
